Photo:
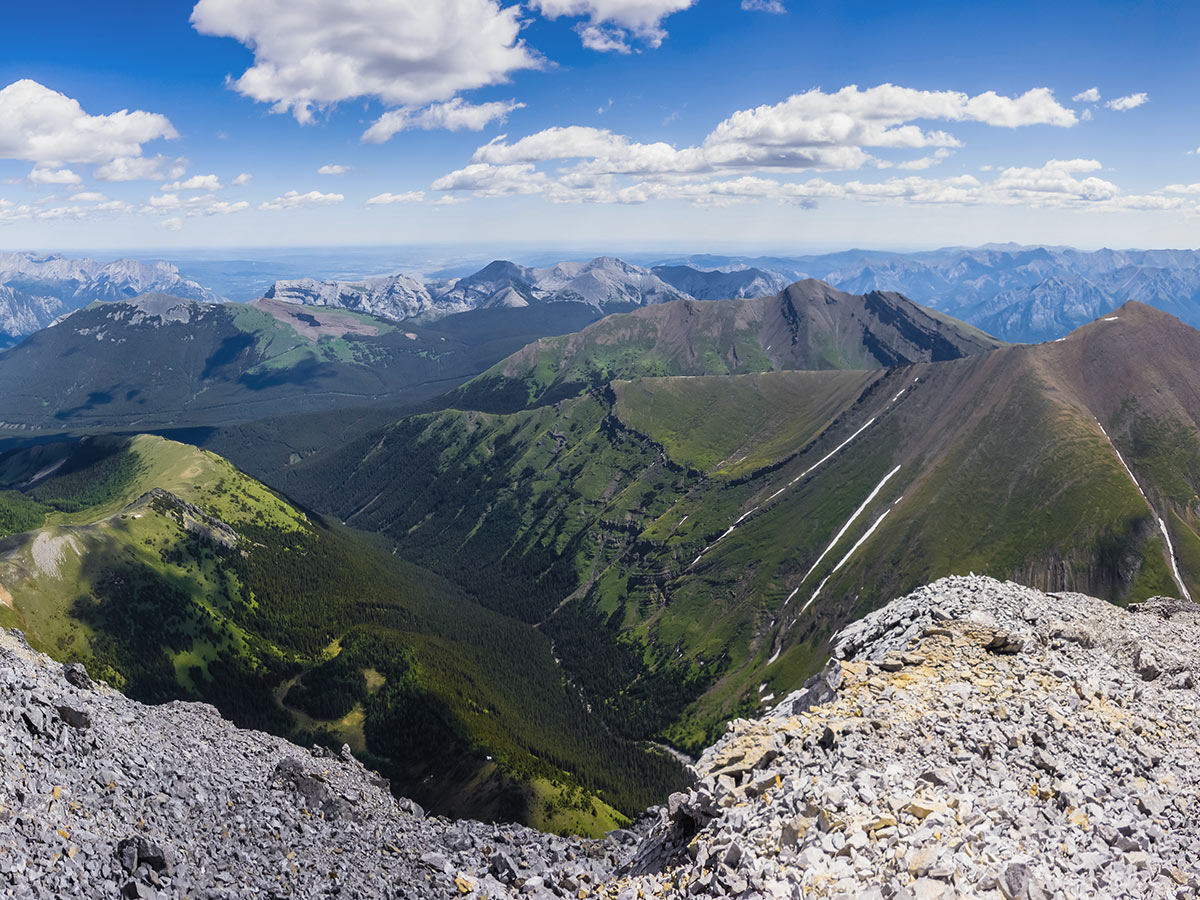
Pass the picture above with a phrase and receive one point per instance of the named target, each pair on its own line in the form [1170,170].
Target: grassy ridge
[738,424]
[588,514]
[303,629]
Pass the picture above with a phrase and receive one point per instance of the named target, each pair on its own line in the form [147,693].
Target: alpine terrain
[690,541]
[172,575]
[36,289]
[159,360]
[972,739]
[605,283]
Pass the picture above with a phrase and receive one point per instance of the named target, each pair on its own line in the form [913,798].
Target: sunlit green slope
[689,543]
[172,574]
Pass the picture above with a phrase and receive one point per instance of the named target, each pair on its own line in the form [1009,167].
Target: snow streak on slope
[1162,526]
[828,456]
[850,521]
[845,559]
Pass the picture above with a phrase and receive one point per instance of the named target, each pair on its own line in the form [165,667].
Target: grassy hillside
[689,543]
[172,574]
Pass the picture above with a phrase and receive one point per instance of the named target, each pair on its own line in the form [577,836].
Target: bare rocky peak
[390,296]
[601,282]
[50,286]
[973,739]
[129,276]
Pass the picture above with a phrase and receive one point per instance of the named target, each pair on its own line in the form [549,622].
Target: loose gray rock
[972,739]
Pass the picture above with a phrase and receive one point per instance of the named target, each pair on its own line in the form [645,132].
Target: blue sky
[709,124]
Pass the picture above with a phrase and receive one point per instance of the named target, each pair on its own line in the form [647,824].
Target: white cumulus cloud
[770,6]
[219,208]
[613,24]
[45,175]
[453,115]
[1091,95]
[388,198]
[813,130]
[309,54]
[293,199]
[485,180]
[42,125]
[1131,101]
[333,169]
[242,179]
[138,168]
[195,183]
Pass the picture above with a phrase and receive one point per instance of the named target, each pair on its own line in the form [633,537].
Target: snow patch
[1162,526]
[846,527]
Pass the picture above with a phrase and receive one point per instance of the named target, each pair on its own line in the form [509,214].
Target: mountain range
[605,283]
[1017,293]
[687,537]
[36,289]
[159,360]
[662,515]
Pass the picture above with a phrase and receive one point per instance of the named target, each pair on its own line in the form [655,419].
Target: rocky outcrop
[189,517]
[973,739]
[101,796]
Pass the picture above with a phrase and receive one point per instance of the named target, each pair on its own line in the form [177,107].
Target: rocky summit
[973,739]
[101,796]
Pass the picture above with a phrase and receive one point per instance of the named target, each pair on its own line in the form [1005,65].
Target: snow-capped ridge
[603,282]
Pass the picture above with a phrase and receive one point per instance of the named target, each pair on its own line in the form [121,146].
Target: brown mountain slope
[810,325]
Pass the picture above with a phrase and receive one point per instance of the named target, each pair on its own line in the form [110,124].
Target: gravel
[973,739]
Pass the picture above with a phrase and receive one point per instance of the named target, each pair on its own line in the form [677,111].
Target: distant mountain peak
[601,282]
[42,288]
[808,325]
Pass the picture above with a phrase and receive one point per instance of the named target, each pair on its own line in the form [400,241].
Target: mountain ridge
[604,282]
[174,576]
[214,363]
[709,532]
[807,326]
[953,735]
[1020,293]
[36,289]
